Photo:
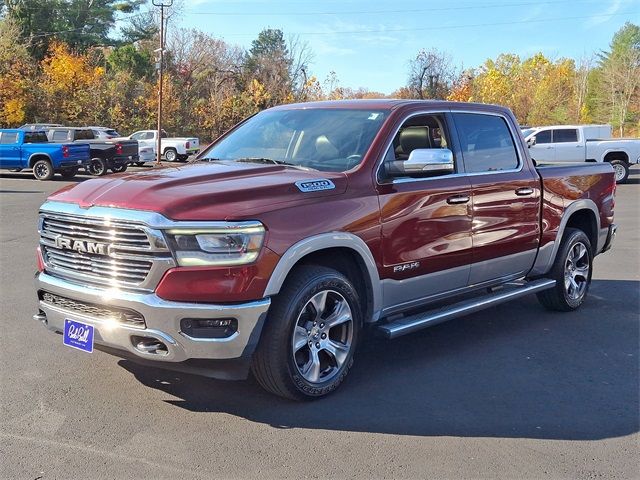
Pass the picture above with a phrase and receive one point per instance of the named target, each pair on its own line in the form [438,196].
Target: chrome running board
[422,320]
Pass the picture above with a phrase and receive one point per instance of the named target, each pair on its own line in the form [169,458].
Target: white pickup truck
[583,143]
[173,148]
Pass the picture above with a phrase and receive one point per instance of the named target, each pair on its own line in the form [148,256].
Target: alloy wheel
[323,336]
[576,271]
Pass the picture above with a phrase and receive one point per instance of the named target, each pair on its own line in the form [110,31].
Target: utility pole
[162,4]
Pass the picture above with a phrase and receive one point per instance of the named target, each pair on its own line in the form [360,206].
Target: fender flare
[39,154]
[547,254]
[322,242]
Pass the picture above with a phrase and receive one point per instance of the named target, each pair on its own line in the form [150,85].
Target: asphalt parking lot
[512,392]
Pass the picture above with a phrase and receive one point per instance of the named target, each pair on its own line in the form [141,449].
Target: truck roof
[571,126]
[388,104]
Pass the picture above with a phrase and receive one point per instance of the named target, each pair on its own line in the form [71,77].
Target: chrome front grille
[119,315]
[103,251]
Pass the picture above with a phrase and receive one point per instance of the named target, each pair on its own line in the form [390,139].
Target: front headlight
[232,244]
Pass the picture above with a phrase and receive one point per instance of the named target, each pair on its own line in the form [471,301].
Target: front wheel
[310,335]
[571,270]
[621,170]
[98,167]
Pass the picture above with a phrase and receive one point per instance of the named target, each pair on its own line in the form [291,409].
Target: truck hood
[205,191]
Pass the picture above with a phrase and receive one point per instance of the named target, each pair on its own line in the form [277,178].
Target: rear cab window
[486,142]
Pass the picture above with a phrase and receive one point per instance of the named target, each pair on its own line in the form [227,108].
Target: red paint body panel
[399,222]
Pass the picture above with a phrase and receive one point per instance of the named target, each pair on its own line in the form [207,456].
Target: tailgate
[129,148]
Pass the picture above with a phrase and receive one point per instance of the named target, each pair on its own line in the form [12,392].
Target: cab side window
[543,137]
[7,138]
[565,135]
[419,132]
[486,142]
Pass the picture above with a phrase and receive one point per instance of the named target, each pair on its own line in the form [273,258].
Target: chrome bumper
[162,320]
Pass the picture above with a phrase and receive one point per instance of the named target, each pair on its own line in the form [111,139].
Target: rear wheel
[43,170]
[171,154]
[97,167]
[119,168]
[69,173]
[310,335]
[139,164]
[571,271]
[621,170]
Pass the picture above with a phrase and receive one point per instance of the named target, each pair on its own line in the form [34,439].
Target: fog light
[209,327]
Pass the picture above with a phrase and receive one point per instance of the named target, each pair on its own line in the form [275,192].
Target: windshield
[323,139]
[528,131]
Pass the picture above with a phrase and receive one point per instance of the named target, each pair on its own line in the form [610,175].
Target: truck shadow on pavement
[515,371]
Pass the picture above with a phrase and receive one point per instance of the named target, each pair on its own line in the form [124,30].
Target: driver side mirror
[429,161]
[531,142]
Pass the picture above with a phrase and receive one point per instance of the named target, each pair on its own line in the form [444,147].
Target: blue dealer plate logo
[78,335]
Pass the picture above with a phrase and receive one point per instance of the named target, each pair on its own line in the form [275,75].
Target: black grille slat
[120,315]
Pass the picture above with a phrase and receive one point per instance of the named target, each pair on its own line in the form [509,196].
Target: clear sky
[369,43]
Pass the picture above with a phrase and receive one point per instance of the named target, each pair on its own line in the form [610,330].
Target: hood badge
[315,185]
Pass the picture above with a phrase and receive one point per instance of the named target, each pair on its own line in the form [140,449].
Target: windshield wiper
[271,161]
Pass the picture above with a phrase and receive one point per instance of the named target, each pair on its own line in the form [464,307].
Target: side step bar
[422,320]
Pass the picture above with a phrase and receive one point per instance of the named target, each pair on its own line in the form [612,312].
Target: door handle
[524,191]
[457,199]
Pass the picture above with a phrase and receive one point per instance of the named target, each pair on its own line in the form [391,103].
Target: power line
[367,12]
[446,27]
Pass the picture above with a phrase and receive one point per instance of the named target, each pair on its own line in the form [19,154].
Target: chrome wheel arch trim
[325,241]
[547,254]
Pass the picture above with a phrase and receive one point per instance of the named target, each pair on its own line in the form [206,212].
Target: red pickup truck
[304,224]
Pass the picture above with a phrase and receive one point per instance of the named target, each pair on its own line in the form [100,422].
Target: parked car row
[52,148]
[583,143]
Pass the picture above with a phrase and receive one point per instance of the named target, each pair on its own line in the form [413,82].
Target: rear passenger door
[505,197]
[9,150]
[568,146]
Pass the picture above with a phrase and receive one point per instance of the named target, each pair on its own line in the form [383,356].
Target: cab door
[568,146]
[426,220]
[544,151]
[10,152]
[505,200]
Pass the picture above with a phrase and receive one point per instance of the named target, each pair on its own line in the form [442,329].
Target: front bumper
[162,319]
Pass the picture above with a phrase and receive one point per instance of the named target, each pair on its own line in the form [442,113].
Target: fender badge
[306,186]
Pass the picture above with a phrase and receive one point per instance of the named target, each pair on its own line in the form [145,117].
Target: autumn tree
[431,74]
[618,78]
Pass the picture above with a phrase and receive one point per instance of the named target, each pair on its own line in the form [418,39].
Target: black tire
[98,167]
[183,158]
[43,170]
[560,298]
[140,164]
[119,168]
[621,169]
[170,155]
[69,173]
[278,365]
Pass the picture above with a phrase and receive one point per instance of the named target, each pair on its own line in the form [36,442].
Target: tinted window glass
[565,135]
[543,137]
[84,135]
[8,137]
[59,136]
[35,137]
[486,143]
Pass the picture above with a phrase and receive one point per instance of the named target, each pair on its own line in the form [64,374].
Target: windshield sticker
[306,186]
